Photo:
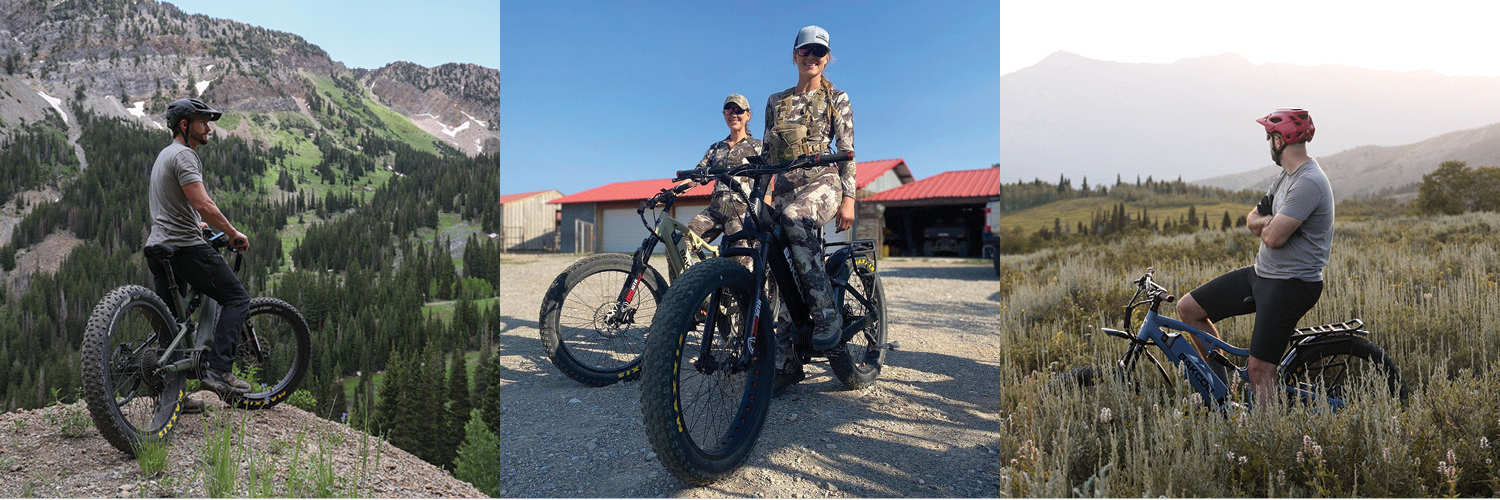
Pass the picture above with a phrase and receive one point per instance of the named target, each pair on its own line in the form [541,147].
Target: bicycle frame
[1195,368]
[185,303]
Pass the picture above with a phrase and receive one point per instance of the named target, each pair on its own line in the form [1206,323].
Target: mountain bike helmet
[186,109]
[1295,125]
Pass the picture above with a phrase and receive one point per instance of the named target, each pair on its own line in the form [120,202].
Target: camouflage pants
[725,215]
[803,211]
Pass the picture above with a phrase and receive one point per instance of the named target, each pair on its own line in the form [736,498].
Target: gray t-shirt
[173,219]
[1304,194]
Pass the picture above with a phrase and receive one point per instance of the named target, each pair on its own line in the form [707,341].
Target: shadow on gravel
[995,298]
[975,272]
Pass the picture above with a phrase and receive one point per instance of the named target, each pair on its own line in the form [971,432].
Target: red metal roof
[507,198]
[630,191]
[981,183]
[865,172]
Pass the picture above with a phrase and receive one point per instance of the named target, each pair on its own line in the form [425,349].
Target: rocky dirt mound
[37,459]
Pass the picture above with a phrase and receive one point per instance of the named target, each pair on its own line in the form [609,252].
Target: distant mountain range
[1194,118]
[129,58]
[1367,170]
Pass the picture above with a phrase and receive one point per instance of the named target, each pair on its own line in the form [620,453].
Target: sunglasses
[733,110]
[815,50]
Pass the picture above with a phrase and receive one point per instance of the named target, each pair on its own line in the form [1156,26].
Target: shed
[528,221]
[921,215]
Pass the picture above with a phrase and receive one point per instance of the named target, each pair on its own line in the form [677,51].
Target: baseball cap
[811,35]
[738,100]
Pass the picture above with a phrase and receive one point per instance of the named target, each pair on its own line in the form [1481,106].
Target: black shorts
[1278,305]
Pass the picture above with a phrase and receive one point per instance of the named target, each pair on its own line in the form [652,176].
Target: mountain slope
[1195,117]
[1366,170]
[129,59]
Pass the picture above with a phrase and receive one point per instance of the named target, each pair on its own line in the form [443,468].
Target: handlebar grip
[683,174]
[682,188]
[833,158]
[1171,298]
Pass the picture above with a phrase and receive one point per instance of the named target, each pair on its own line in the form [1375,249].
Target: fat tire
[661,366]
[1311,357]
[860,373]
[98,390]
[548,322]
[301,359]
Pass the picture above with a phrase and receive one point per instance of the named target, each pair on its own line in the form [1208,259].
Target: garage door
[687,211]
[622,230]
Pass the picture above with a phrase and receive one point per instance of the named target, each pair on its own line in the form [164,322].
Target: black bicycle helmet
[186,109]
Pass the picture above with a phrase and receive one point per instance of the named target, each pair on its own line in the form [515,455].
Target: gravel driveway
[928,428]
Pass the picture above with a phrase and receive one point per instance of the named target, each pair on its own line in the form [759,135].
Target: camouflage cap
[810,35]
[738,100]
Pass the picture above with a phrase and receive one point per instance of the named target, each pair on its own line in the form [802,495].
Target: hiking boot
[224,383]
[191,405]
[786,378]
[827,329]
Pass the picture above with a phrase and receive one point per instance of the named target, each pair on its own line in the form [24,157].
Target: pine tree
[490,403]
[458,401]
[478,459]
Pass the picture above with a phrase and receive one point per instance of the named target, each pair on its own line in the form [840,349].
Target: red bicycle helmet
[1294,125]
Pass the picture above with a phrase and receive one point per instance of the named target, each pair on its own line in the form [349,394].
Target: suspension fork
[637,271]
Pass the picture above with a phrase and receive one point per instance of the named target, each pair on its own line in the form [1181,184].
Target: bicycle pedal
[894,345]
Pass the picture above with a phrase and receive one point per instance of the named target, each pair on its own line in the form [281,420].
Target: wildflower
[1244,460]
[1484,442]
[1317,450]
[1241,420]
[1231,456]
[1307,441]
[1385,453]
[1280,476]
[1299,456]
[1105,415]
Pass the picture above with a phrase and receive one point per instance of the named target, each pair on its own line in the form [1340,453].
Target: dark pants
[205,270]
[1278,305]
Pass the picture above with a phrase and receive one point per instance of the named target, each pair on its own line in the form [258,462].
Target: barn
[528,221]
[603,219]
[939,215]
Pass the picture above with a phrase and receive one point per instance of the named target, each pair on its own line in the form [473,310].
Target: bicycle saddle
[160,251]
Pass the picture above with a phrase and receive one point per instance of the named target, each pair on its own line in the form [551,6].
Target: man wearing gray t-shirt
[1294,222]
[180,209]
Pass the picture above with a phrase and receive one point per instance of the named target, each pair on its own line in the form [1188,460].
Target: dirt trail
[928,427]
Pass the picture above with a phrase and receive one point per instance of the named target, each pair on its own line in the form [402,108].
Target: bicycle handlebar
[1153,291]
[755,167]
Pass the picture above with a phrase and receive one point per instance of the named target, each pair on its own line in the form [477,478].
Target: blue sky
[599,92]
[372,33]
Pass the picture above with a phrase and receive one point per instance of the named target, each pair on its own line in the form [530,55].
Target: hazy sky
[1449,37]
[601,92]
[372,33]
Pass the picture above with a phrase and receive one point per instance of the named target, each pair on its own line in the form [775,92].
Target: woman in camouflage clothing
[800,120]
[726,212]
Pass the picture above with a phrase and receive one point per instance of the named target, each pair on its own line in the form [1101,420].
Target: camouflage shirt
[811,109]
[724,154]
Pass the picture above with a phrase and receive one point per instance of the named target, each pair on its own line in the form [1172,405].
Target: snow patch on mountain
[139,109]
[476,120]
[201,86]
[56,104]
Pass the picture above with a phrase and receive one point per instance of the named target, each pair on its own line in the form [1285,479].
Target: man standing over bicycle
[1294,222]
[180,205]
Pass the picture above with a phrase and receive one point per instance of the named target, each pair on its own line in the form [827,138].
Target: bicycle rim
[141,397]
[716,392]
[864,347]
[592,327]
[271,355]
